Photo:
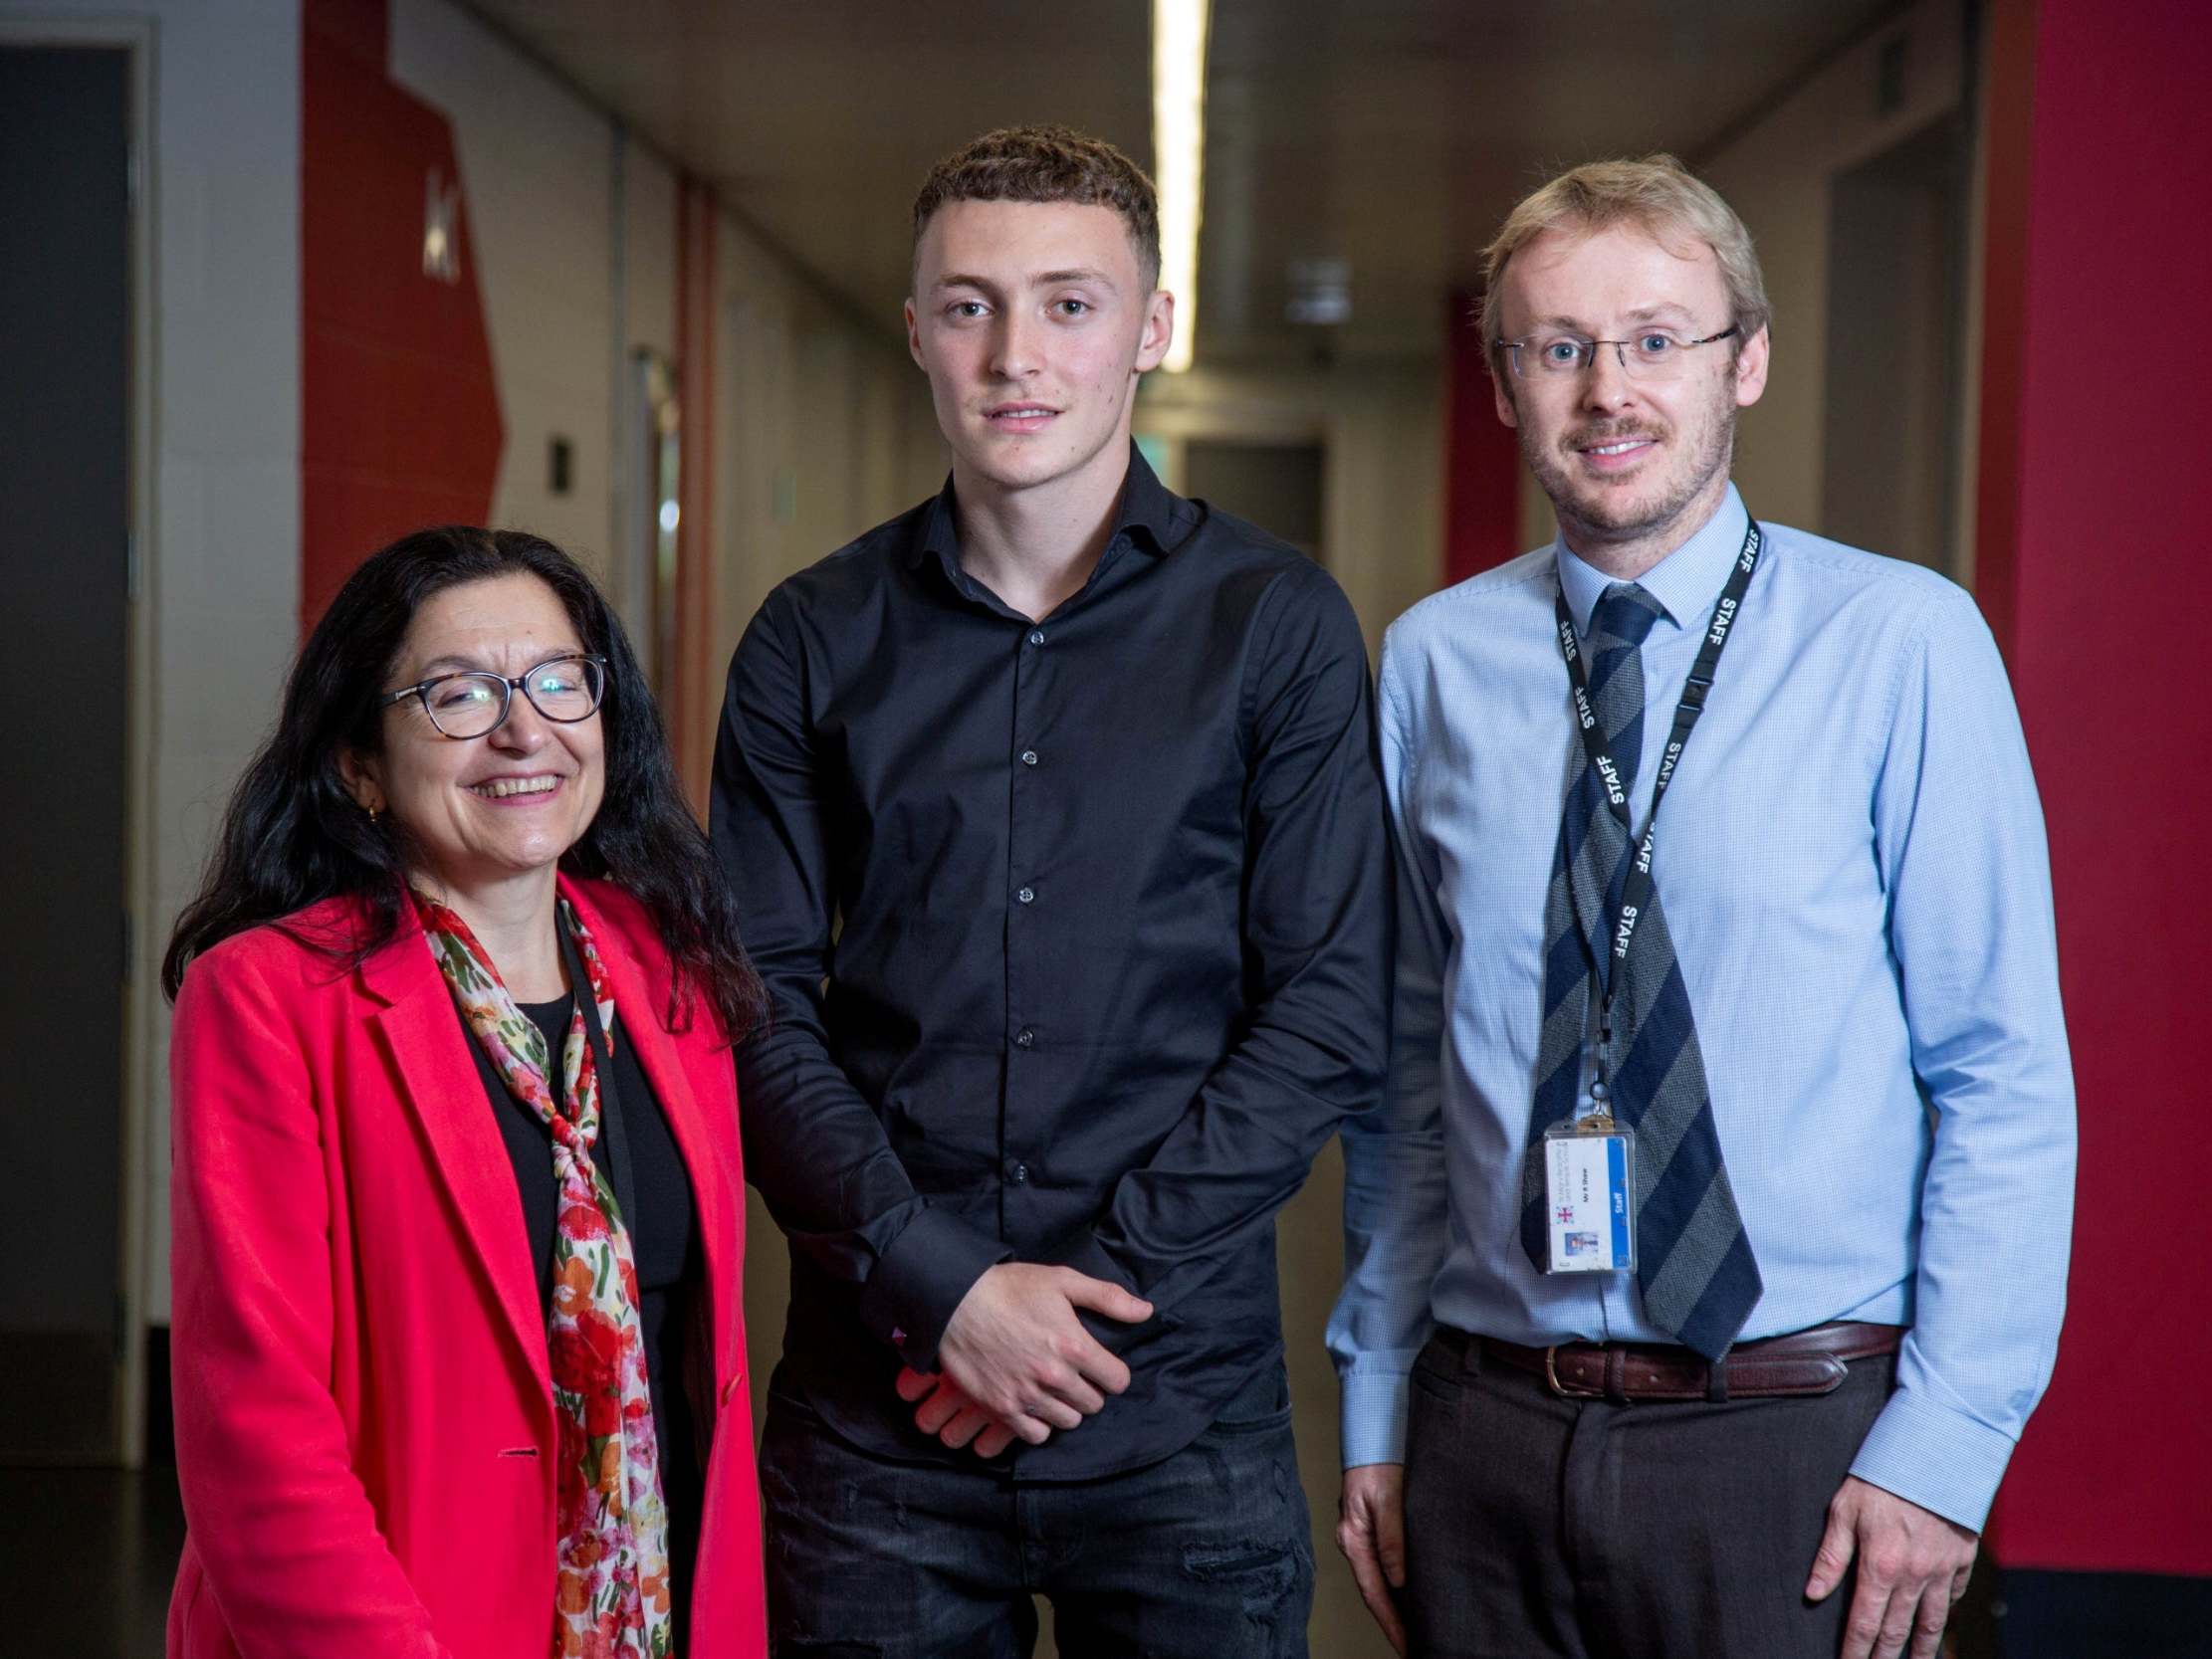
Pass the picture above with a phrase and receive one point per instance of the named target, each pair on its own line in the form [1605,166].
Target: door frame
[142,1021]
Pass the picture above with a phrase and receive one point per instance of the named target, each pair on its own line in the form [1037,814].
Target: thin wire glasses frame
[1642,363]
[594,685]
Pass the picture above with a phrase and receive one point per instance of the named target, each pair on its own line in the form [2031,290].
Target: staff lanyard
[1636,892]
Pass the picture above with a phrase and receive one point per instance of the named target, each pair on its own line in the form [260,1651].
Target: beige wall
[537,167]
[1380,428]
[822,427]
[1776,175]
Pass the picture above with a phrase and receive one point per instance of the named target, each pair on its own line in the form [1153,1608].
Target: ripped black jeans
[1206,1555]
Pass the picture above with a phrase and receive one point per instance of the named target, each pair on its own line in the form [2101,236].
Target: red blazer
[364,1425]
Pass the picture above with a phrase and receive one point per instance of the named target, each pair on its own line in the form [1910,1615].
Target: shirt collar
[1145,519]
[1686,582]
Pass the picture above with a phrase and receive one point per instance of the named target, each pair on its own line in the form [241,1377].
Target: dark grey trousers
[1541,1527]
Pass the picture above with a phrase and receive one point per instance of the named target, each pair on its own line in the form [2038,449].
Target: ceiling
[1389,133]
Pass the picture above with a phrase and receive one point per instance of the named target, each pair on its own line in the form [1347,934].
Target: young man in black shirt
[1054,814]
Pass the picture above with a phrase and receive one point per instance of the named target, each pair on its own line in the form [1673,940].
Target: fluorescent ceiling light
[1178,29]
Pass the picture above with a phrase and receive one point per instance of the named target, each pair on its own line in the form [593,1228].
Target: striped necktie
[1694,1262]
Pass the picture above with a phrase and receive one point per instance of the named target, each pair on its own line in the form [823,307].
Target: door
[1896,350]
[64,410]
[1274,486]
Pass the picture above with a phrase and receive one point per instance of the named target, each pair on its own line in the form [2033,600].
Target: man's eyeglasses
[1653,354]
[471,704]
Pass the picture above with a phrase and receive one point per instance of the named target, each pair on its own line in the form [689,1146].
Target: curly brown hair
[1048,164]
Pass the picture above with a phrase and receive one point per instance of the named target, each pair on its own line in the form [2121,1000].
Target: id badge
[1589,1195]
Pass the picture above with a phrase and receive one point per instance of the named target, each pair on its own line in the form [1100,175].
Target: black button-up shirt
[1076,934]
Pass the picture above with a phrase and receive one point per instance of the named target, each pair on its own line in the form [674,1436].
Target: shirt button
[1029,758]
[1025,894]
[1018,1174]
[1025,1038]
[1037,636]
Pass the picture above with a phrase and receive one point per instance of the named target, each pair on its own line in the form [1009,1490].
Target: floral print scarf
[612,1597]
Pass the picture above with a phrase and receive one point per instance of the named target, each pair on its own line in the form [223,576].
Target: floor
[102,1545]
[88,1554]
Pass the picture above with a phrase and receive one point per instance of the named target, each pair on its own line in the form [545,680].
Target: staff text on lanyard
[1636,891]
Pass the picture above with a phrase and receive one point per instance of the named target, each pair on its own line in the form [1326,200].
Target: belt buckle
[1558,1384]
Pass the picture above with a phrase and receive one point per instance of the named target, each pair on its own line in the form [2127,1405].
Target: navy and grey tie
[1694,1262]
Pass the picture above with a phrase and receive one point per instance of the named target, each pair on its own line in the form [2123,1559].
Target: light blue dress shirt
[1852,863]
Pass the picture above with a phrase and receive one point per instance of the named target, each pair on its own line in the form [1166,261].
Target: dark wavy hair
[292,836]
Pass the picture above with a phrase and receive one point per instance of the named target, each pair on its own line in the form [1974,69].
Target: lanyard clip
[1693,694]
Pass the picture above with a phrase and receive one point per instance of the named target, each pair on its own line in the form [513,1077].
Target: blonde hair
[1655,193]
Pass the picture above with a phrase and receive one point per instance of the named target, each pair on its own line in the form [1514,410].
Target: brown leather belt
[1802,1362]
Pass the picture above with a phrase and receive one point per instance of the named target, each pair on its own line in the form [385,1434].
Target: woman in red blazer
[457,1203]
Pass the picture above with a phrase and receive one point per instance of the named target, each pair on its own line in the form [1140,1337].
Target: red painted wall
[1482,460]
[2094,522]
[399,412]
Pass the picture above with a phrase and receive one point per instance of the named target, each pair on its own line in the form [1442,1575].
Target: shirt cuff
[917,1283]
[1088,1257]
[1934,1456]
[1374,1426]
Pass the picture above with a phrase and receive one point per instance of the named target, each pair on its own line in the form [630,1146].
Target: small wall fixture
[441,228]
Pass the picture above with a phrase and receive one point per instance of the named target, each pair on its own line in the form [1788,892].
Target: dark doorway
[1895,349]
[64,402]
[1274,486]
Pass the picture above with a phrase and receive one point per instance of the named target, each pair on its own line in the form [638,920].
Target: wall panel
[2092,540]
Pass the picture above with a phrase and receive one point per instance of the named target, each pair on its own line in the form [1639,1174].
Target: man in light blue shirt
[1818,990]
